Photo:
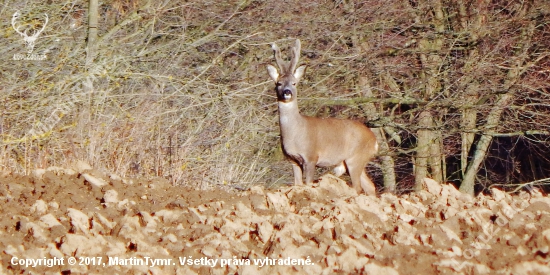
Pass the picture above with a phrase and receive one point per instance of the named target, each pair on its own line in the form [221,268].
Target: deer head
[29,40]
[288,75]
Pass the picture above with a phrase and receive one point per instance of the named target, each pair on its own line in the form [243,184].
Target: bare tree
[516,68]
[93,14]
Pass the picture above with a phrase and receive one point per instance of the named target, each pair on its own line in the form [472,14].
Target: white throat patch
[287,105]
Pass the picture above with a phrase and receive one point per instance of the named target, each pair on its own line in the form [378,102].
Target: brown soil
[324,229]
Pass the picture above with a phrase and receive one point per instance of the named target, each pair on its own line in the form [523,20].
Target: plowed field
[110,225]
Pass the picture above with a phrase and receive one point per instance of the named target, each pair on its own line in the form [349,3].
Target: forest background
[455,90]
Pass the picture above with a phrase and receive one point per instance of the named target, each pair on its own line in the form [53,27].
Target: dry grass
[171,94]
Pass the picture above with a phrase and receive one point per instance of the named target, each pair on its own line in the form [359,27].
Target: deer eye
[294,84]
[278,84]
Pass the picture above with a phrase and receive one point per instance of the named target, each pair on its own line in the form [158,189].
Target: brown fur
[323,142]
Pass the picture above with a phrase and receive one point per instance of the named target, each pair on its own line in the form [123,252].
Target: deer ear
[273,73]
[300,72]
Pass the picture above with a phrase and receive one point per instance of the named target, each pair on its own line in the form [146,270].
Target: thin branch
[540,182]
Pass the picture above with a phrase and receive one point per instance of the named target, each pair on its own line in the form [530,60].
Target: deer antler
[278,59]
[295,55]
[284,66]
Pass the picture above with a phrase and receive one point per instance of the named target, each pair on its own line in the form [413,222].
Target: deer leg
[355,174]
[297,174]
[367,184]
[309,170]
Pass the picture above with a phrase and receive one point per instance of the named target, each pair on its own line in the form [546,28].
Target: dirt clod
[438,231]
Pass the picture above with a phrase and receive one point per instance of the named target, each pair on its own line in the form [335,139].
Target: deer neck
[290,119]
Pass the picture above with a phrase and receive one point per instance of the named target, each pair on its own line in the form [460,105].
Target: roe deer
[323,142]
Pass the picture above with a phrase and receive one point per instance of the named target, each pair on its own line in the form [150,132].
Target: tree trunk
[429,153]
[436,159]
[422,149]
[387,162]
[468,124]
[493,119]
[470,23]
[92,31]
